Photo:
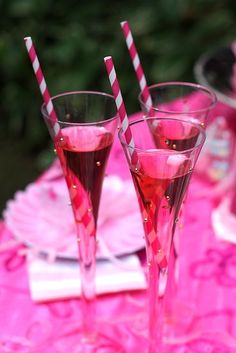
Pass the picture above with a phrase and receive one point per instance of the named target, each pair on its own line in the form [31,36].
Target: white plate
[41,217]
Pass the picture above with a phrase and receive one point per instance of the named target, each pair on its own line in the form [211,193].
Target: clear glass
[88,121]
[181,100]
[217,70]
[195,103]
[167,151]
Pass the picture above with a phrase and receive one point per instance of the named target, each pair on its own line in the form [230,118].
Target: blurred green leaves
[72,38]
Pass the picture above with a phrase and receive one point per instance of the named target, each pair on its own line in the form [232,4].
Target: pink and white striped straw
[151,234]
[121,108]
[136,63]
[82,210]
[43,88]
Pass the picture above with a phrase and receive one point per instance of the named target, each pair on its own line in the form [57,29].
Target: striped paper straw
[121,108]
[136,63]
[43,87]
[153,239]
[151,234]
[77,194]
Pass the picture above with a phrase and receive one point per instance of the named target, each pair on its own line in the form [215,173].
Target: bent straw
[77,194]
[153,240]
[136,63]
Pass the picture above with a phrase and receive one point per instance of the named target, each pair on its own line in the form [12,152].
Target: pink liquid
[84,153]
[161,186]
[179,137]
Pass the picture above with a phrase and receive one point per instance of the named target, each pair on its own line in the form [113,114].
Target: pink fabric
[207,277]
[207,282]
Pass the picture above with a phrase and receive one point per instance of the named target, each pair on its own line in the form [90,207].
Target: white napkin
[61,279]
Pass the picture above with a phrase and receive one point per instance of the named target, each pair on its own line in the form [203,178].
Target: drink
[87,122]
[161,175]
[161,183]
[84,152]
[179,137]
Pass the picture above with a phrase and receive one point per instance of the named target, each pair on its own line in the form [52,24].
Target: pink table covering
[207,280]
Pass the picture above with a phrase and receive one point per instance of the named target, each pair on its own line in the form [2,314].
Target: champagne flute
[191,102]
[88,121]
[161,178]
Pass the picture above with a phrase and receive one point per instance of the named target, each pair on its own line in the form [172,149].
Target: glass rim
[186,84]
[72,93]
[159,150]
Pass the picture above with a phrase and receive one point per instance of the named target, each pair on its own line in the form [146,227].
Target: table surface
[207,285]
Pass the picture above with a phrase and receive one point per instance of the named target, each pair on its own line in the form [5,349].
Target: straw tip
[123,23]
[107,58]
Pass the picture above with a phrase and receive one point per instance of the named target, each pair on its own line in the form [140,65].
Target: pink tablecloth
[207,284]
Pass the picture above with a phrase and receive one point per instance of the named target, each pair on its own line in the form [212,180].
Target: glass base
[105,340]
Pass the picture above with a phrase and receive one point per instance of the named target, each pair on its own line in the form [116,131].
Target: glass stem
[162,291]
[155,307]
[171,289]
[87,253]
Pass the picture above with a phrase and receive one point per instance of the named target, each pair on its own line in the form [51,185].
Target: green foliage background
[72,37]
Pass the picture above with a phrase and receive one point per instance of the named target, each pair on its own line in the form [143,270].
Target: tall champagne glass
[191,102]
[161,178]
[88,121]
